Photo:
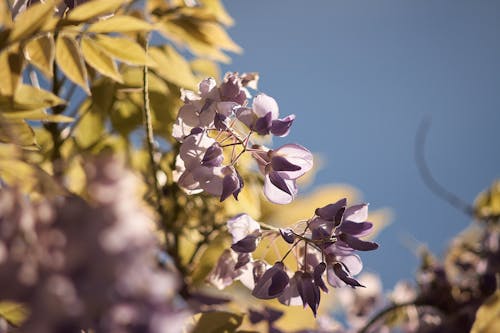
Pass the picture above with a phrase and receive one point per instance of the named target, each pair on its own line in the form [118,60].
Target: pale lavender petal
[186,120]
[353,263]
[193,149]
[207,87]
[241,226]
[226,108]
[223,274]
[246,116]
[230,184]
[281,127]
[210,179]
[356,213]
[290,295]
[298,155]
[276,195]
[262,104]
[320,228]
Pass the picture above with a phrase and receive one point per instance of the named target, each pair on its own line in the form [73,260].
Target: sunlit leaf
[217,9]
[11,66]
[217,36]
[120,23]
[5,15]
[487,203]
[218,322]
[173,67]
[100,60]
[487,316]
[205,68]
[28,97]
[18,132]
[14,313]
[40,52]
[124,49]
[30,21]
[70,61]
[94,8]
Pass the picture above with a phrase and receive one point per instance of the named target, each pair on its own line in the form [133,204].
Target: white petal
[263,104]
[241,226]
[356,213]
[298,155]
[276,195]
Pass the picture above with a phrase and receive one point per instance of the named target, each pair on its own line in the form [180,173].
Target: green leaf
[14,313]
[40,52]
[31,20]
[11,67]
[217,9]
[124,49]
[218,322]
[18,132]
[487,316]
[94,8]
[120,23]
[100,60]
[70,61]
[173,67]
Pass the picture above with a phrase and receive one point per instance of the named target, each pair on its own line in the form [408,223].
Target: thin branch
[432,184]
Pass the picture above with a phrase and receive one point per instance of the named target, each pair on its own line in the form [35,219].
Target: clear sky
[360,76]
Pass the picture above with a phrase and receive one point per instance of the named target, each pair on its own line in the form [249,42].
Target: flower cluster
[325,248]
[215,128]
[87,265]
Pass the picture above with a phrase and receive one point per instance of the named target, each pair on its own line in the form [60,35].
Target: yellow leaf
[217,9]
[487,316]
[94,8]
[120,23]
[217,36]
[173,67]
[28,97]
[14,313]
[205,68]
[124,49]
[40,52]
[11,67]
[31,20]
[18,132]
[5,15]
[487,203]
[100,60]
[70,61]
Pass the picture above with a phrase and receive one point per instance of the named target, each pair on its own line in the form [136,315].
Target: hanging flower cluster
[215,127]
[325,247]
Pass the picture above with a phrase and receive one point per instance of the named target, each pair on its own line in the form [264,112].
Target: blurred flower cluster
[215,127]
[87,264]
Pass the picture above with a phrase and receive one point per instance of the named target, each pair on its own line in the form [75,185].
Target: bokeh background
[361,76]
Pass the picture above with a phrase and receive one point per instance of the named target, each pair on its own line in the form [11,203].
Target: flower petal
[262,104]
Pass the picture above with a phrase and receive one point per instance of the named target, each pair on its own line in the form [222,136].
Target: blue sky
[361,76]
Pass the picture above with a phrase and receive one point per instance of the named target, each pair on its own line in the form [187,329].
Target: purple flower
[245,232]
[281,168]
[272,283]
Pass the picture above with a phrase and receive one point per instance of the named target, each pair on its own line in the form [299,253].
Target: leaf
[28,97]
[11,67]
[100,60]
[205,68]
[14,313]
[124,49]
[31,20]
[173,67]
[39,115]
[40,52]
[5,15]
[18,132]
[120,23]
[217,9]
[93,9]
[487,315]
[216,35]
[218,322]
[70,61]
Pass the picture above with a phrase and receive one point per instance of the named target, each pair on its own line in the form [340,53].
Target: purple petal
[290,295]
[263,124]
[241,184]
[263,104]
[287,235]
[320,228]
[241,226]
[226,108]
[220,122]
[279,182]
[213,156]
[344,276]
[280,163]
[281,127]
[356,229]
[243,259]
[272,283]
[318,279]
[329,212]
[246,245]
[296,155]
[309,292]
[246,116]
[358,244]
